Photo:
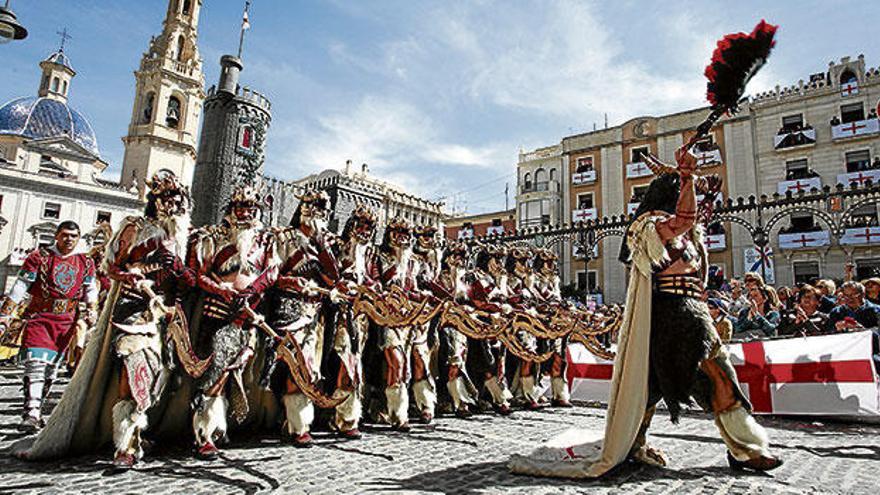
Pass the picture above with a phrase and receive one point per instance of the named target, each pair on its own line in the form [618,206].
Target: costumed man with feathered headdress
[354,251]
[545,286]
[669,349]
[487,291]
[60,287]
[386,360]
[139,340]
[452,354]
[295,306]
[228,259]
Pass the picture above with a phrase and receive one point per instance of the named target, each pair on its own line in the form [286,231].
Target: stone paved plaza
[460,456]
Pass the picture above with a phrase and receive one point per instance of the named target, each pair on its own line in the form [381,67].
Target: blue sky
[439,96]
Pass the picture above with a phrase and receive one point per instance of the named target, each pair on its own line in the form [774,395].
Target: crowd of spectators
[748,308]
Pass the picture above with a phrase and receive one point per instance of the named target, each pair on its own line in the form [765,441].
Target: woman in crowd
[723,325]
[760,318]
[805,318]
[872,290]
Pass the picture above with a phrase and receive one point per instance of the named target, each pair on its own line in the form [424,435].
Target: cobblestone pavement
[459,456]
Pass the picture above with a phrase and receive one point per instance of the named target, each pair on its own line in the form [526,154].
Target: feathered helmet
[518,255]
[398,229]
[425,231]
[544,258]
[362,219]
[245,196]
[454,250]
[486,252]
[317,202]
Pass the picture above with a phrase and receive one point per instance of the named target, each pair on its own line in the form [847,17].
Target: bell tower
[169,93]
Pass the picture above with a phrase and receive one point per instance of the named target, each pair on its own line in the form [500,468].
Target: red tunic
[58,283]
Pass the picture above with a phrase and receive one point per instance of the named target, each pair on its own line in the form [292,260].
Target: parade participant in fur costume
[425,268]
[523,375]
[227,258]
[62,293]
[386,360]
[295,305]
[449,285]
[545,287]
[132,353]
[487,291]
[354,252]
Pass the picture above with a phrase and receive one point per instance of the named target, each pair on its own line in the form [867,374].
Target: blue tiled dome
[37,118]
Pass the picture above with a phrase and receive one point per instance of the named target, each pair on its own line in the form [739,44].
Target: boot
[426,399]
[762,463]
[300,414]
[398,406]
[209,423]
[561,395]
[128,423]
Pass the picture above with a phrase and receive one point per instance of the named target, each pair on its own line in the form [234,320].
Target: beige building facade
[822,131]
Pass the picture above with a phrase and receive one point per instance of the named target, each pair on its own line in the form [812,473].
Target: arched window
[246,138]
[45,84]
[55,83]
[64,87]
[181,44]
[847,76]
[186,6]
[527,181]
[541,179]
[552,174]
[147,108]
[172,116]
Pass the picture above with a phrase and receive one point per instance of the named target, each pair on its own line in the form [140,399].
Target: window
[64,87]
[867,268]
[705,144]
[1,202]
[801,222]
[852,113]
[540,179]
[52,210]
[587,280]
[585,201]
[45,83]
[103,217]
[186,6]
[638,194]
[865,216]
[857,161]
[637,154]
[527,181]
[805,272]
[247,138]
[796,169]
[45,240]
[793,122]
[715,228]
[172,115]
[584,164]
[55,83]
[552,174]
[847,76]
[147,110]
[181,46]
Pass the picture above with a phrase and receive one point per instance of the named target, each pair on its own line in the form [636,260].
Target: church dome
[40,117]
[59,58]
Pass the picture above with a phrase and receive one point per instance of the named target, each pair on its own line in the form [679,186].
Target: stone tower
[232,143]
[169,92]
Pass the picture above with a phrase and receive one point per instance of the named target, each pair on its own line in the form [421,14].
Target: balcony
[547,186]
[716,242]
[583,215]
[466,233]
[859,177]
[858,128]
[582,178]
[635,170]
[631,208]
[860,236]
[709,158]
[799,185]
[794,138]
[495,230]
[800,240]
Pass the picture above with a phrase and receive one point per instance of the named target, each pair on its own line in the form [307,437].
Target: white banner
[583,215]
[829,375]
[805,239]
[631,208]
[637,169]
[708,158]
[583,177]
[861,235]
[849,89]
[717,242]
[857,128]
[799,185]
[860,178]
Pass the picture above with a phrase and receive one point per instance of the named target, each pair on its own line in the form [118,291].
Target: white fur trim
[425,395]
[348,414]
[398,404]
[300,413]
[560,388]
[209,423]
[745,438]
[499,396]
[528,388]
[459,392]
[127,425]
[645,243]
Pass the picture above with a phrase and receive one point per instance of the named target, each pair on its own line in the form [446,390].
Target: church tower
[169,92]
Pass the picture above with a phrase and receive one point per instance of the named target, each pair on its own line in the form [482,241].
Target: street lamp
[10,29]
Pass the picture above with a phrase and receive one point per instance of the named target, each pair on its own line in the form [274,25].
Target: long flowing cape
[578,453]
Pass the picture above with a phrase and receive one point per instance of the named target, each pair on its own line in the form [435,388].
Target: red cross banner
[804,239]
[857,128]
[861,235]
[799,185]
[637,169]
[849,89]
[828,375]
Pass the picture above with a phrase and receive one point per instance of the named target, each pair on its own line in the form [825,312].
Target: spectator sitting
[723,325]
[876,163]
[786,300]
[835,120]
[827,287]
[872,114]
[805,318]
[760,319]
[854,313]
[872,290]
